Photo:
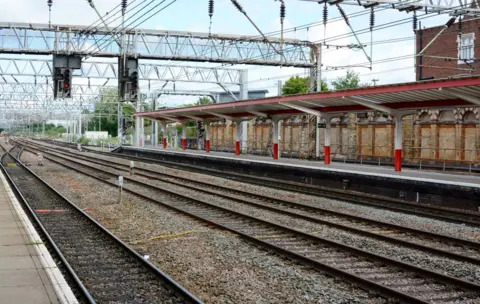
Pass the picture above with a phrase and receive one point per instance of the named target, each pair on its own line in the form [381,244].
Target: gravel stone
[213,264]
[408,220]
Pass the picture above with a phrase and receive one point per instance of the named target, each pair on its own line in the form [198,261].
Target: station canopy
[391,99]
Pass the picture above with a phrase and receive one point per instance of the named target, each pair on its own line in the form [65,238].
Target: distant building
[252,94]
[453,53]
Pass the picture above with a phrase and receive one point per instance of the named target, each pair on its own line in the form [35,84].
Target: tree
[200,102]
[350,81]
[105,113]
[204,101]
[300,85]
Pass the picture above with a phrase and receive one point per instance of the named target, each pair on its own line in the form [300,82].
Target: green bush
[83,140]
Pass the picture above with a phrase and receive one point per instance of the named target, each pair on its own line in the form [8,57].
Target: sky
[192,15]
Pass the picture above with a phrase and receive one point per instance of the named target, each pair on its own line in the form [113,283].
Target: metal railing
[416,157]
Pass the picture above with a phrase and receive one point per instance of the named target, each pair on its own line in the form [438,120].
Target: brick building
[452,54]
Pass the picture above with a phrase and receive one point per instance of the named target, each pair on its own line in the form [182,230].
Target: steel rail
[227,213]
[469,218]
[475,246]
[172,284]
[396,205]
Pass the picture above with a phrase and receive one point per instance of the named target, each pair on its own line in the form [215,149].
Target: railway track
[106,269]
[387,277]
[441,245]
[396,205]
[16,150]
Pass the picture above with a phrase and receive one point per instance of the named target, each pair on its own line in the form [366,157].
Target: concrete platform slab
[7,240]
[25,277]
[14,250]
[9,231]
[8,224]
[7,218]
[6,212]
[16,262]
[24,295]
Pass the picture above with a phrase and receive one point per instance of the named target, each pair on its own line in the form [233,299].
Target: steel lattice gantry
[39,39]
[10,66]
[82,94]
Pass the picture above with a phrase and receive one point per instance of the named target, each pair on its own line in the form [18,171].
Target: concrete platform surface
[385,171]
[27,274]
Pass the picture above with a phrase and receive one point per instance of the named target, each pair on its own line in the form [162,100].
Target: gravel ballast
[418,258]
[213,264]
[408,220]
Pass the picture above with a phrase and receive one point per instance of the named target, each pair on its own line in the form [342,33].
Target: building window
[466,46]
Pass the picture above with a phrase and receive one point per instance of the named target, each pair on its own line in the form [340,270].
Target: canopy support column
[80,126]
[184,137]
[164,136]
[139,122]
[238,137]
[207,136]
[155,134]
[398,142]
[275,138]
[328,132]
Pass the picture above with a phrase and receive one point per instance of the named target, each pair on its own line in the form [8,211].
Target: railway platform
[451,190]
[28,273]
[407,174]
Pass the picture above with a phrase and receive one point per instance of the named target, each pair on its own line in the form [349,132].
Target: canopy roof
[392,99]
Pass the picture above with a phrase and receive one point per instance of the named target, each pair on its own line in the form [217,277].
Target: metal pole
[420,68]
[119,124]
[319,67]
[319,89]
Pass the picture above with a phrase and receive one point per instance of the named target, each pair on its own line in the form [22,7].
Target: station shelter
[396,100]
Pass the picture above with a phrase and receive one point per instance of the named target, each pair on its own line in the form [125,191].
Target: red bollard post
[327,155]
[275,151]
[398,160]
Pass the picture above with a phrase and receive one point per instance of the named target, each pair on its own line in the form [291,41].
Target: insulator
[50,2]
[210,8]
[372,18]
[282,11]
[237,5]
[460,27]
[414,21]
[343,14]
[124,4]
[325,14]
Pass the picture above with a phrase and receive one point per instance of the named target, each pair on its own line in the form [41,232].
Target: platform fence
[414,157]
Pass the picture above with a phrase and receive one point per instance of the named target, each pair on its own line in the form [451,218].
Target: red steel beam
[352,108]
[413,86]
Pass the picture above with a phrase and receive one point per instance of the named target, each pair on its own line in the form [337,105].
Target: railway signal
[67,80]
[133,86]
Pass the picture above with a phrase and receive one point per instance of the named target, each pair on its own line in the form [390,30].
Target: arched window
[424,117]
[470,117]
[446,116]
